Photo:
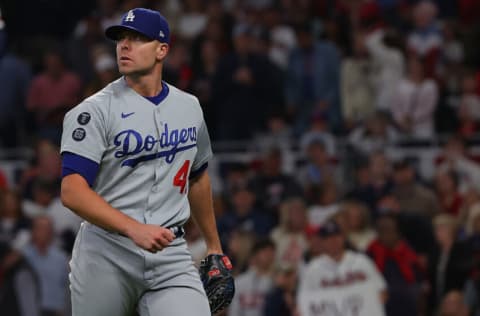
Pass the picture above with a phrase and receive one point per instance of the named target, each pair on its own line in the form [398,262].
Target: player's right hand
[152,238]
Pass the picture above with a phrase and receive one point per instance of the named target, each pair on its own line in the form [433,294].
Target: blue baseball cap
[144,21]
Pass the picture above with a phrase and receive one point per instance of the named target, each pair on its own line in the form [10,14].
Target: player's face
[138,54]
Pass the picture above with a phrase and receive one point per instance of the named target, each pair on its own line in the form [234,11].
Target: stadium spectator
[388,64]
[280,301]
[360,232]
[50,265]
[239,249]
[446,185]
[46,165]
[244,215]
[202,81]
[252,286]
[319,168]
[14,226]
[356,85]
[414,103]
[375,180]
[15,76]
[19,288]
[400,266]
[313,80]
[4,183]
[323,203]
[330,281]
[449,262]
[52,93]
[456,158]
[244,84]
[282,37]
[289,236]
[453,304]
[192,19]
[83,46]
[105,72]
[410,193]
[376,133]
[271,185]
[425,40]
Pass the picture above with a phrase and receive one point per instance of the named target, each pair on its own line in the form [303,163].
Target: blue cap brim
[113,31]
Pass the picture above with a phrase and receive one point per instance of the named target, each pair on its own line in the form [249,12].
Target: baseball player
[134,157]
[340,282]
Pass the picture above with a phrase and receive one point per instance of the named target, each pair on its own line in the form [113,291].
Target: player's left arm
[201,205]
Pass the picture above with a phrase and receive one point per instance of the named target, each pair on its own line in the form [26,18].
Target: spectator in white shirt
[252,287]
[416,98]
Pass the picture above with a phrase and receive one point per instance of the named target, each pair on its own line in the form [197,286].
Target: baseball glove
[215,272]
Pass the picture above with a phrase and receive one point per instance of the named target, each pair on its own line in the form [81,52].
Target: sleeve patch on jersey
[83,118]
[79,134]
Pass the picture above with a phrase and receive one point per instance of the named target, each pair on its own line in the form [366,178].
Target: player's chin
[130,71]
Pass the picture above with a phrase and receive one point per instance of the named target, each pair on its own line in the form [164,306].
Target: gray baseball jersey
[145,154]
[145,151]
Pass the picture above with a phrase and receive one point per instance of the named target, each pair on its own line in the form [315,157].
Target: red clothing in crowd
[406,259]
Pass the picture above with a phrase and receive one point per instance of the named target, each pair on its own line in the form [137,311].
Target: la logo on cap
[130,16]
[161,34]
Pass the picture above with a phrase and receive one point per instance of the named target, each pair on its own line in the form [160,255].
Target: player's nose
[124,43]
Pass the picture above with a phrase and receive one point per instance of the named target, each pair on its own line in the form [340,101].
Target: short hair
[261,244]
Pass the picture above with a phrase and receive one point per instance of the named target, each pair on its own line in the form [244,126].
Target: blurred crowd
[282,77]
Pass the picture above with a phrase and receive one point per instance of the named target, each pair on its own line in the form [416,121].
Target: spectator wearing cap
[331,279]
[252,286]
[313,83]
[412,196]
[400,266]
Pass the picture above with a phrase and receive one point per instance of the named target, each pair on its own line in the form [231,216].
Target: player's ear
[162,51]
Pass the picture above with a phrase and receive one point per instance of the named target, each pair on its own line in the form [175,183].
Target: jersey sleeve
[204,149]
[85,132]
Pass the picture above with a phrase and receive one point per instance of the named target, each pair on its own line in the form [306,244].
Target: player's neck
[148,85]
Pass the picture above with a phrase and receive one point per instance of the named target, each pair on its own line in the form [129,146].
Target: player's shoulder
[100,101]
[318,263]
[357,258]
[182,96]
